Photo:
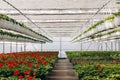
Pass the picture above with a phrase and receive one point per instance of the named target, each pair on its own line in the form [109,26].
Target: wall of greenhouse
[64,45]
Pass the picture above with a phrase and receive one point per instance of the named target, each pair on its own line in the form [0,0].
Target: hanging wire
[96,12]
[26,17]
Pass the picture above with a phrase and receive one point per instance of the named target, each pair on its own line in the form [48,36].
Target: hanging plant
[117,19]
[5,17]
[104,34]
[116,14]
[109,18]
[18,36]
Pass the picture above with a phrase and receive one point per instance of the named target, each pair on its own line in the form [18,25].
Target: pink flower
[114,61]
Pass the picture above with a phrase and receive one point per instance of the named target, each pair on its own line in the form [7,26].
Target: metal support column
[41,47]
[106,45]
[118,45]
[115,45]
[60,46]
[3,46]
[21,46]
[16,47]
[10,46]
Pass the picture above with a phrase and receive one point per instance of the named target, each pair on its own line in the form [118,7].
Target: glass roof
[59,18]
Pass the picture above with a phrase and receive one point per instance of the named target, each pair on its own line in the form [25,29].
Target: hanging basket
[117,21]
[109,24]
[15,27]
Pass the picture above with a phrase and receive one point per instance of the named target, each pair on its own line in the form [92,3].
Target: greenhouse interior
[59,39]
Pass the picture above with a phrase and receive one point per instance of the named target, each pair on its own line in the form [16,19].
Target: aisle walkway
[63,70]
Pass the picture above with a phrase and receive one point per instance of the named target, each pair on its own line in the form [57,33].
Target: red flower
[36,66]
[29,61]
[39,61]
[30,78]
[118,62]
[98,65]
[100,70]
[26,72]
[10,66]
[34,74]
[44,63]
[30,65]
[16,72]
[1,65]
[20,77]
[108,64]
[118,58]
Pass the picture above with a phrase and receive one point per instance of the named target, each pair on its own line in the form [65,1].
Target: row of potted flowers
[96,65]
[26,65]
[11,24]
[7,36]
[109,23]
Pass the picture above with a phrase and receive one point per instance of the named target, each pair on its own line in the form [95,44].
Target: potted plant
[117,19]
[109,22]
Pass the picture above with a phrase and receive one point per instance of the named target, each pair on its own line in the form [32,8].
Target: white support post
[3,46]
[41,47]
[106,45]
[11,47]
[24,46]
[21,46]
[16,47]
[60,46]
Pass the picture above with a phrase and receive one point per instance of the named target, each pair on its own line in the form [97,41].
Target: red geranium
[16,72]
[98,65]
[1,65]
[44,63]
[118,62]
[30,78]
[20,77]
[30,65]
[100,70]
[37,67]
[10,66]
[34,74]
[27,72]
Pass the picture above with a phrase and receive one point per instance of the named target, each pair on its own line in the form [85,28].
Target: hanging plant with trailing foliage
[10,34]
[5,17]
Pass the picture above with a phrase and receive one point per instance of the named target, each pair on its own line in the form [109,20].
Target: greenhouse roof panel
[61,18]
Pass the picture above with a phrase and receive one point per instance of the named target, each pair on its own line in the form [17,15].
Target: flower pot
[117,21]
[15,27]
[109,24]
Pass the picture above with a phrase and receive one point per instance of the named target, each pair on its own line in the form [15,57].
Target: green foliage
[104,34]
[117,14]
[109,18]
[5,17]
[96,65]
[97,24]
[27,62]
[17,35]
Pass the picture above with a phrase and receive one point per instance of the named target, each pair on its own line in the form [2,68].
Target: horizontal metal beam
[60,27]
[62,32]
[59,21]
[56,11]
